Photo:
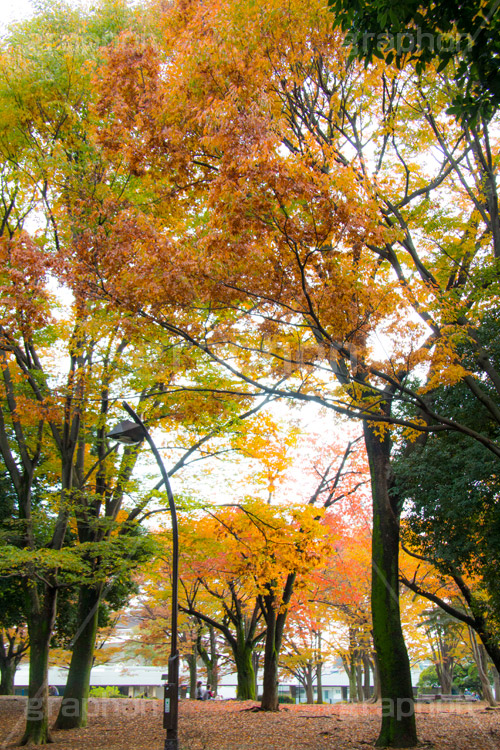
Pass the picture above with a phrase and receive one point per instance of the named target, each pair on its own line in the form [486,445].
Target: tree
[51,163]
[346,592]
[481,659]
[450,490]
[444,634]
[465,34]
[270,444]
[305,647]
[463,615]
[33,549]
[208,651]
[277,579]
[214,594]
[151,640]
[459,597]
[240,567]
[323,243]
[109,572]
[40,426]
[14,643]
[300,660]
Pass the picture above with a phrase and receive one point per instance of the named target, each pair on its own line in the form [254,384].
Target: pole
[171,698]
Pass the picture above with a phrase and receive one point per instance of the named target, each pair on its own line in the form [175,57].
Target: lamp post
[134,432]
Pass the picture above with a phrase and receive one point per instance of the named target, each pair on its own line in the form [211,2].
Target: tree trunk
[485,686]
[270,678]
[242,644]
[350,671]
[309,683]
[444,671]
[73,710]
[479,653]
[359,683]
[353,686]
[488,639]
[319,682]
[8,671]
[376,681]
[398,717]
[192,662]
[245,690]
[475,619]
[366,683]
[214,658]
[275,613]
[210,660]
[255,665]
[40,624]
[496,682]
[193,672]
[10,656]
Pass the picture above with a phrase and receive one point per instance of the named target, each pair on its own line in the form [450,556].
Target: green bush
[465,677]
[285,699]
[110,691]
[428,678]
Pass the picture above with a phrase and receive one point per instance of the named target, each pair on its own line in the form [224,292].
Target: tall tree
[14,641]
[333,237]
[338,233]
[462,35]
[451,522]
[240,568]
[45,93]
[34,549]
[443,633]
[215,594]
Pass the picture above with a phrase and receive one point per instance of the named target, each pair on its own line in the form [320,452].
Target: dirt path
[123,724]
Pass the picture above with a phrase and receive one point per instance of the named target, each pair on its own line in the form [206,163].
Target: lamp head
[127,432]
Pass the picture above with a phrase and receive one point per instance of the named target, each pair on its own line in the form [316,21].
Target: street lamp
[134,432]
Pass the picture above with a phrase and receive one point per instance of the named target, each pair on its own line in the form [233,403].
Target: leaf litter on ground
[136,724]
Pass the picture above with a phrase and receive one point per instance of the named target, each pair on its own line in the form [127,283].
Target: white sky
[14,10]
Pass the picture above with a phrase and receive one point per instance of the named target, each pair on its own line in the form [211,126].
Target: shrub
[110,691]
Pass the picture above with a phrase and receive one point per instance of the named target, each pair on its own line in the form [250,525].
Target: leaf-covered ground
[122,724]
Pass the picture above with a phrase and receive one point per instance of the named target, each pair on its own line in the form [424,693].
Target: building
[134,681]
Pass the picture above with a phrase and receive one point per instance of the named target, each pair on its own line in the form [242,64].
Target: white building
[133,681]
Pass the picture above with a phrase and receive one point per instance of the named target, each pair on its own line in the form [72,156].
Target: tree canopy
[241,211]
[461,35]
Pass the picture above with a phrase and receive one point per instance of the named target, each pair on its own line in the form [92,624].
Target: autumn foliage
[240,212]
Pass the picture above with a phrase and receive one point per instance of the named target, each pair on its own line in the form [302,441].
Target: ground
[128,724]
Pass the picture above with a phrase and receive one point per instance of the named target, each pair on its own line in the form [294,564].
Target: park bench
[430,697]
